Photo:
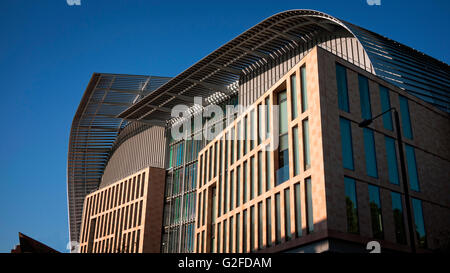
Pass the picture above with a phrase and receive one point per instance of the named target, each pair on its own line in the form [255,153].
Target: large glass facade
[180,194]
[341,77]
[351,205]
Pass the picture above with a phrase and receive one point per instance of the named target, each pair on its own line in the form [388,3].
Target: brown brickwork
[125,216]
[431,128]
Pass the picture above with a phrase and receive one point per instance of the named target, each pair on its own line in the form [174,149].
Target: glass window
[419,223]
[351,205]
[213,205]
[391,160]
[269,221]
[226,143]
[201,170]
[170,156]
[203,207]
[230,236]
[260,225]
[260,173]
[244,231]
[252,177]
[347,146]
[238,233]
[282,173]
[260,123]
[298,210]
[375,212]
[341,77]
[283,160]
[238,186]
[245,135]
[386,105]
[364,97]
[245,182]
[225,193]
[296,152]
[232,138]
[306,153]
[216,167]
[252,228]
[232,193]
[397,210]
[294,96]
[219,190]
[278,218]
[268,169]
[287,214]
[412,168]
[304,91]
[225,236]
[267,111]
[238,141]
[309,205]
[218,237]
[282,102]
[252,129]
[406,120]
[370,153]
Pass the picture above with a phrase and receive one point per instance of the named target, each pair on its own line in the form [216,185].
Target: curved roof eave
[94,130]
[287,28]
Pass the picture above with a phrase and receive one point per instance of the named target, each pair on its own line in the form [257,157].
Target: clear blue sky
[49,50]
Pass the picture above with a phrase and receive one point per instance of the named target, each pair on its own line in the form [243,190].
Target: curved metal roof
[111,98]
[95,128]
[403,66]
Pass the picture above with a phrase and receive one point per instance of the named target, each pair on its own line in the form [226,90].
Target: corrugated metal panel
[145,149]
[256,83]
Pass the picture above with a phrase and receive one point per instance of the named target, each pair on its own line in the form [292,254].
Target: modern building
[324,184]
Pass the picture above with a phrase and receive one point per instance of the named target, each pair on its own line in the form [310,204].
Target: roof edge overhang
[247,35]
